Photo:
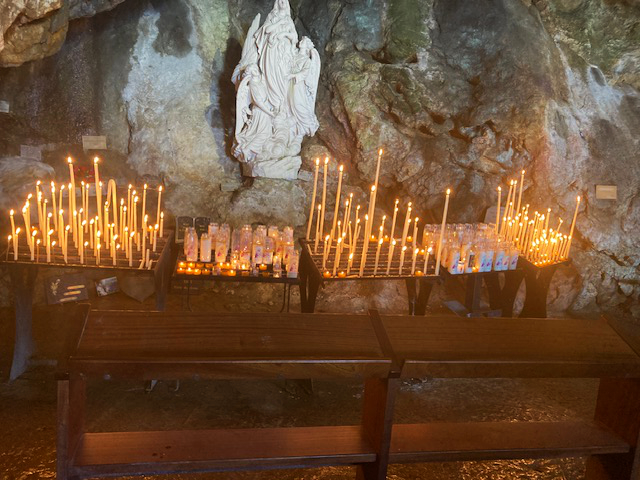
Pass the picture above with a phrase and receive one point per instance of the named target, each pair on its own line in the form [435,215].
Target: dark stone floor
[28,405]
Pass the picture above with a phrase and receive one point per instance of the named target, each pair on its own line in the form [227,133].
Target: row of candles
[531,233]
[348,240]
[112,228]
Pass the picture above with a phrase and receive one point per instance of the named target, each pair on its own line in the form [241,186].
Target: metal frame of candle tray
[311,278]
[501,298]
[188,282]
[23,273]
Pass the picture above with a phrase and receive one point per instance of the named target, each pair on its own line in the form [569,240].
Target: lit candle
[384,218]
[37,250]
[426,260]
[74,228]
[98,256]
[325,252]
[337,208]
[415,232]
[81,239]
[115,256]
[9,245]
[498,210]
[324,195]
[405,229]
[313,198]
[83,189]
[49,233]
[161,224]
[71,210]
[375,267]
[444,221]
[135,219]
[506,212]
[60,225]
[122,221]
[378,167]
[336,261]
[390,256]
[16,244]
[159,204]
[345,225]
[72,179]
[86,202]
[98,241]
[13,224]
[318,222]
[155,235]
[402,252]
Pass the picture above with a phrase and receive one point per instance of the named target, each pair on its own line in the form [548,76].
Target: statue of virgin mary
[276,82]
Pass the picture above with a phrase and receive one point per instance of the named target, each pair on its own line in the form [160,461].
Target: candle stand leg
[537,281]
[284,298]
[473,292]
[411,294]
[502,298]
[23,280]
[424,293]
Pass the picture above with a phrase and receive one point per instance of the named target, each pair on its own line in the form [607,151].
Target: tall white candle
[324,195]
[336,260]
[318,228]
[55,207]
[155,236]
[506,210]
[65,245]
[402,252]
[336,210]
[313,198]
[520,194]
[365,245]
[13,225]
[415,232]
[72,179]
[393,222]
[444,221]
[426,259]
[498,210]
[161,224]
[16,244]
[96,173]
[413,263]
[375,267]
[405,229]
[573,224]
[390,256]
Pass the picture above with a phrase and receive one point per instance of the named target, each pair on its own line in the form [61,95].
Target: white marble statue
[276,83]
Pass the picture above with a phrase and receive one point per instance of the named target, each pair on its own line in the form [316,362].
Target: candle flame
[145,186]
[69,160]
[499,189]
[341,168]
[326,160]
[318,162]
[373,188]
[578,199]
[380,152]
[448,191]
[11,212]
[86,243]
[49,215]
[62,186]
[393,242]
[38,183]
[17,231]
[95,160]
[160,188]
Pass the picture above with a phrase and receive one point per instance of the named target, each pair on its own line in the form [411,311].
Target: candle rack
[23,273]
[313,276]
[187,282]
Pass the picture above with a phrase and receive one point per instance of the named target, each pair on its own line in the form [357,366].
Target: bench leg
[377,421]
[618,408]
[71,401]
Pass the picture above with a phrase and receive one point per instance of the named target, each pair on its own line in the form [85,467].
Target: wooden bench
[379,350]
[122,345]
[523,348]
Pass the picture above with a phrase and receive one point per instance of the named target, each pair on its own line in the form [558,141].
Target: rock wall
[460,94]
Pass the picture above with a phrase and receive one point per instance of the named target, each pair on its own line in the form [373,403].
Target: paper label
[94,142]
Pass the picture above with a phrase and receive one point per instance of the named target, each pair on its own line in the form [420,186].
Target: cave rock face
[460,94]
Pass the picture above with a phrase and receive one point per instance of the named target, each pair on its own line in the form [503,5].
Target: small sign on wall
[28,151]
[4,106]
[94,142]
[606,192]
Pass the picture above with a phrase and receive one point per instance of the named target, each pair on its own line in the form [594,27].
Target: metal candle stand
[312,278]
[186,283]
[23,273]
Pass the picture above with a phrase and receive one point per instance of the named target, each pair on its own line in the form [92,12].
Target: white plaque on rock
[29,151]
[276,83]
[4,106]
[94,142]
